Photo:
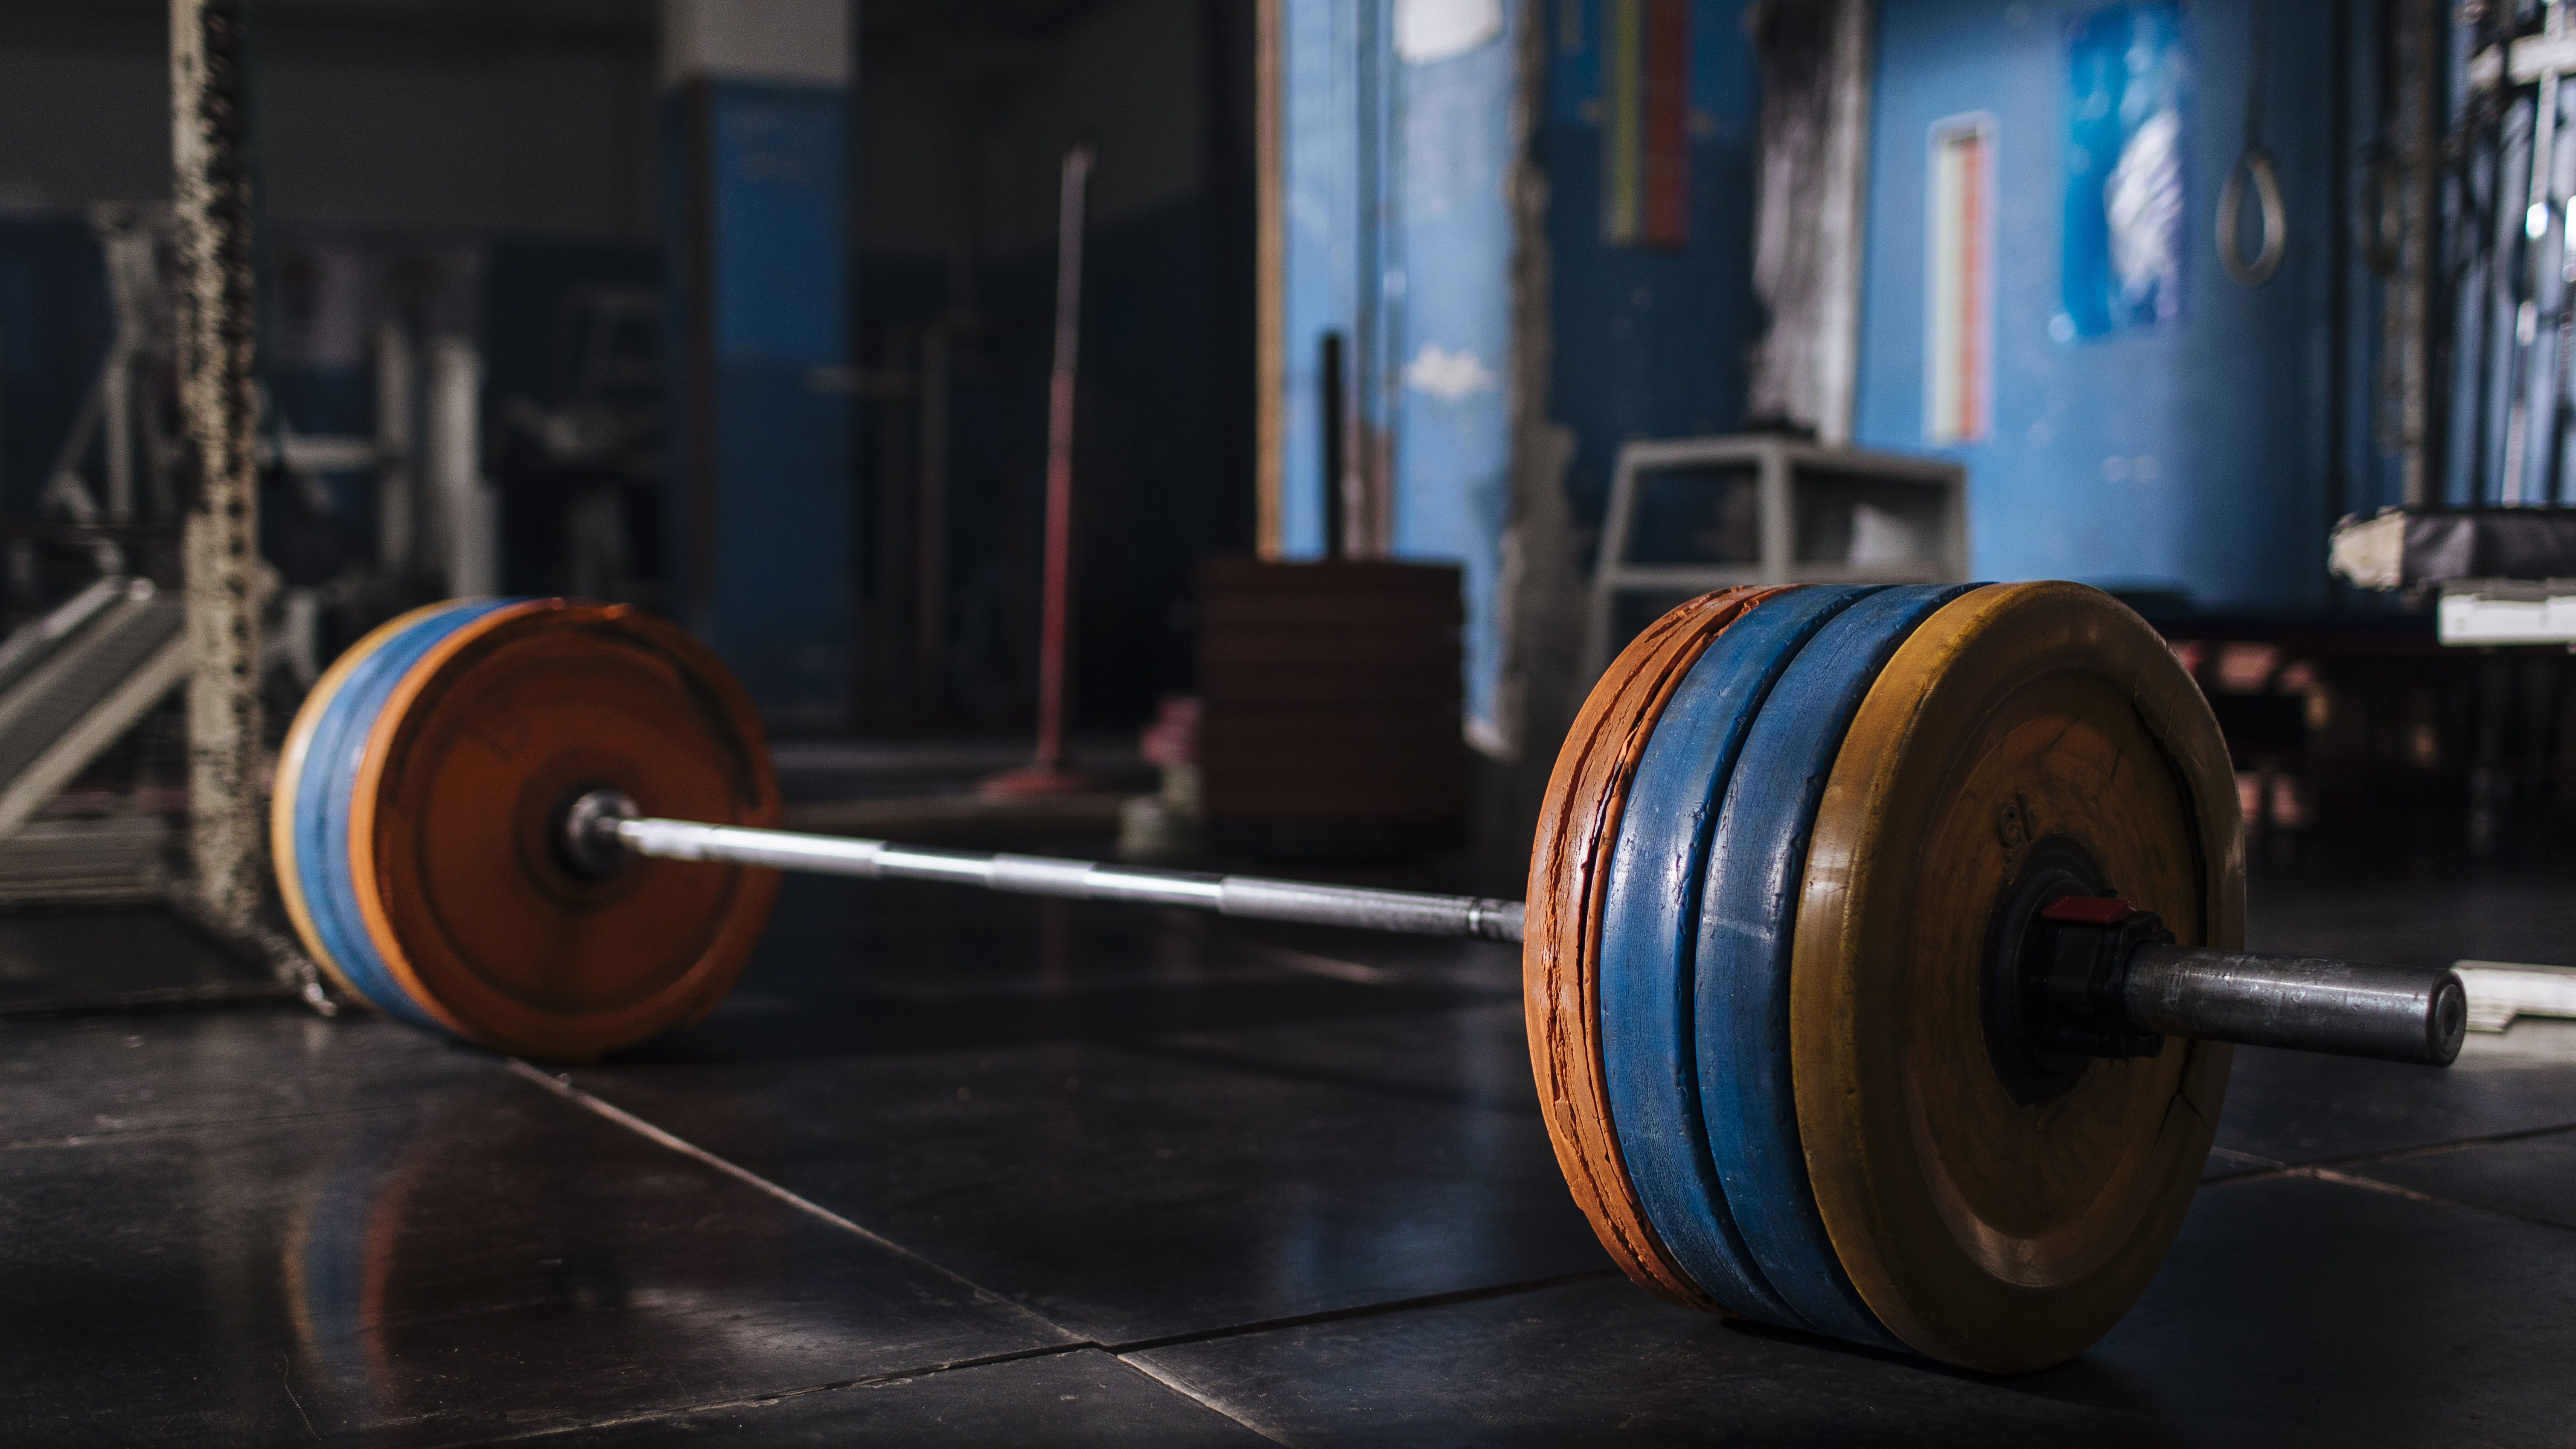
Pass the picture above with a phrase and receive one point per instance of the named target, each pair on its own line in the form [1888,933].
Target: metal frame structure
[219,409]
[1778,463]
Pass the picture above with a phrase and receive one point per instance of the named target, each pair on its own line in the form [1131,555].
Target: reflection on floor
[956,1168]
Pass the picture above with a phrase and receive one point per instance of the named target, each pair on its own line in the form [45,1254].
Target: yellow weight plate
[2022,723]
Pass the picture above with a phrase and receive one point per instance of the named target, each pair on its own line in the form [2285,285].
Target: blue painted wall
[1453,421]
[2190,459]
[777,600]
[1650,343]
[1399,236]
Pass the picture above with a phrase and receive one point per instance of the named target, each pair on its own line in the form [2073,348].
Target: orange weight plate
[1569,869]
[453,815]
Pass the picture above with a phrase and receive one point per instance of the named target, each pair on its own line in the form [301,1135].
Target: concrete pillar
[756,107]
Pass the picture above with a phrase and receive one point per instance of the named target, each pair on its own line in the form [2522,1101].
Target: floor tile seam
[1174,1383]
[2242,1165]
[563,1087]
[1334,968]
[2391,1189]
[2273,1167]
[2436,1149]
[1356,1311]
[1250,1066]
[773,1396]
[161,1001]
[1125,1354]
[86,1139]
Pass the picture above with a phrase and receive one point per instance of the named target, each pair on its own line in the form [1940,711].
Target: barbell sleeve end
[2349,1008]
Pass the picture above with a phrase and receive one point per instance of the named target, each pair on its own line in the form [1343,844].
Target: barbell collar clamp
[2105,979]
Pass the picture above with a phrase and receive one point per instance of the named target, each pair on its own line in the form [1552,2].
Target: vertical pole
[1270,263]
[219,405]
[1336,429]
[1375,314]
[930,523]
[397,463]
[466,554]
[2420,126]
[2548,291]
[697,261]
[1048,775]
[1059,473]
[116,381]
[2338,486]
[1844,212]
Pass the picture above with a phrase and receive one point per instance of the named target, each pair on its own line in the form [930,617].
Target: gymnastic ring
[2276,225]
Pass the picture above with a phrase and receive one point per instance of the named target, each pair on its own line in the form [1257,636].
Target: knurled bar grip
[1410,912]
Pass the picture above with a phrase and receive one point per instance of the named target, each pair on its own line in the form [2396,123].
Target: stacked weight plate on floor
[1768,896]
[471,724]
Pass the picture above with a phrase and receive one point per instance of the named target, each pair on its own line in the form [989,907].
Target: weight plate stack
[1780,873]
[418,811]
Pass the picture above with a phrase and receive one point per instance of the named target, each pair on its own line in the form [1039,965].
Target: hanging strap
[2254,162]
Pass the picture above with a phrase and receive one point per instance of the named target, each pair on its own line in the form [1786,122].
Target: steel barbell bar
[2150,989]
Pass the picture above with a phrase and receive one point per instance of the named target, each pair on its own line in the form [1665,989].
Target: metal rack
[1818,515]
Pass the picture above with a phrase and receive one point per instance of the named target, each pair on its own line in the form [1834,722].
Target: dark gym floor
[951,1167]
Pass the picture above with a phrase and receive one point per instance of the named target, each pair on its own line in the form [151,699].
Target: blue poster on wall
[2126,86]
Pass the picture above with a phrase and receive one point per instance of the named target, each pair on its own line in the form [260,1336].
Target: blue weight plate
[284,808]
[322,805]
[1747,924]
[1649,925]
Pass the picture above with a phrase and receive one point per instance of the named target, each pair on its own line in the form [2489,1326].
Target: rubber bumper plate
[424,821]
[1650,927]
[1747,921]
[308,810]
[1987,1213]
[1570,866]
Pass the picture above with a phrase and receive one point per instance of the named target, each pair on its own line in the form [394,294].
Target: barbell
[1880,958]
